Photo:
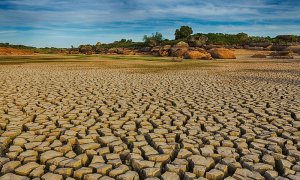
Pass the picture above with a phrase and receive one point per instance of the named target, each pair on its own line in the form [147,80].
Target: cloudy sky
[62,23]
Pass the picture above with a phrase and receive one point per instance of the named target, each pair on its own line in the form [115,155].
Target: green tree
[98,47]
[183,32]
[123,41]
[154,40]
[243,37]
[86,49]
[287,38]
[98,44]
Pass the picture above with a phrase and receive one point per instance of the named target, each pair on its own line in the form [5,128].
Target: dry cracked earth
[235,120]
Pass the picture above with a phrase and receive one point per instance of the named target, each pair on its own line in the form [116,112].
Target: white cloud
[60,21]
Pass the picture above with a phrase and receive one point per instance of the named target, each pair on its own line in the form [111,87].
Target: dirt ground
[116,117]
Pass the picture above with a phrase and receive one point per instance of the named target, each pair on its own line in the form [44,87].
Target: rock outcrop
[259,56]
[180,49]
[282,55]
[222,53]
[198,55]
[198,41]
[165,50]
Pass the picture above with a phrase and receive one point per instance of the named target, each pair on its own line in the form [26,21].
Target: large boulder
[198,41]
[179,52]
[180,49]
[116,51]
[222,53]
[295,49]
[165,50]
[155,51]
[198,55]
[282,55]
[182,44]
[278,47]
[259,55]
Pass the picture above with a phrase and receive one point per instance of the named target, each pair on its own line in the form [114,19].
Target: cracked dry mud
[87,121]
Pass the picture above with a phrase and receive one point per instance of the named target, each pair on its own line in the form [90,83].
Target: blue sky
[62,23]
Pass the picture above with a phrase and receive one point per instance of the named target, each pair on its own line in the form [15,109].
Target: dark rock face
[198,41]
[165,50]
[155,51]
[260,44]
[145,49]
[279,47]
[294,49]
[180,49]
[282,55]
[259,56]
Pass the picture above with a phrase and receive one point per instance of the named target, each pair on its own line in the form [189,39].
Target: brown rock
[198,55]
[259,56]
[222,53]
[282,55]
[180,49]
[165,50]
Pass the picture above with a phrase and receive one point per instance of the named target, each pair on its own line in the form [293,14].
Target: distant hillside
[10,49]
[14,51]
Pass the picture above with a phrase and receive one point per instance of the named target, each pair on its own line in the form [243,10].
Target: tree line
[184,33]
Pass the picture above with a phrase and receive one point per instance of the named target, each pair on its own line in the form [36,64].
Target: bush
[154,40]
[86,49]
[183,32]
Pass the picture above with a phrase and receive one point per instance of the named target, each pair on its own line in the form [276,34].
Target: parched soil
[121,119]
